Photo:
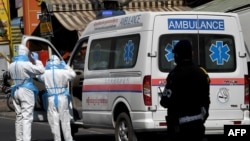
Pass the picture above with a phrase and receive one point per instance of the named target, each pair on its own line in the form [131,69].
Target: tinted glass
[114,53]
[216,53]
[166,46]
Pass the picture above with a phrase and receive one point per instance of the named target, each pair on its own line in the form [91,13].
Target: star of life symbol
[169,49]
[219,53]
[128,54]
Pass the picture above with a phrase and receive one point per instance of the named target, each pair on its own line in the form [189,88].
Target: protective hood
[54,60]
[54,63]
[22,50]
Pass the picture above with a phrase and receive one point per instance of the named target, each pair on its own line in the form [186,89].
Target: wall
[31,12]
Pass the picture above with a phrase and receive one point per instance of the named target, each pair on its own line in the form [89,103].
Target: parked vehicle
[6,89]
[122,63]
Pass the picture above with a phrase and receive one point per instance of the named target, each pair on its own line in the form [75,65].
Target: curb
[8,114]
[4,110]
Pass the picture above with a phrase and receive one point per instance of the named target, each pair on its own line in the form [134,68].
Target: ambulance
[122,63]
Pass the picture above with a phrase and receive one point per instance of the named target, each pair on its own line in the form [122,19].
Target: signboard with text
[4,20]
[46,25]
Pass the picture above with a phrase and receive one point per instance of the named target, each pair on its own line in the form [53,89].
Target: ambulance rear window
[216,53]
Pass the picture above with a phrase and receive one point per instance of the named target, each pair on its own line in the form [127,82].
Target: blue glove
[34,56]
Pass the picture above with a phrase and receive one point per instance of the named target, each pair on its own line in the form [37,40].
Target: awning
[73,14]
[222,5]
[164,5]
[76,14]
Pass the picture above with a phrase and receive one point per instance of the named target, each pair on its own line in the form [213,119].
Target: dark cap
[183,49]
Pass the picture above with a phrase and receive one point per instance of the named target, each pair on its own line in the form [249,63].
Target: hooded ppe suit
[24,91]
[56,77]
[186,95]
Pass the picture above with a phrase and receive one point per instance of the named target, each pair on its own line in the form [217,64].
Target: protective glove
[34,56]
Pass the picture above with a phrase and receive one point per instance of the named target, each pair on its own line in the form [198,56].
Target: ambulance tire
[123,128]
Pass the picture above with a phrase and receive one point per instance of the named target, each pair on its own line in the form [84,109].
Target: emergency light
[109,13]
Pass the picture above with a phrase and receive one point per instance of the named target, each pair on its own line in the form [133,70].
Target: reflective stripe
[190,118]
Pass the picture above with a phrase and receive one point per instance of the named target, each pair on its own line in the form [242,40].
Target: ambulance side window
[99,54]
[114,53]
[78,62]
[126,51]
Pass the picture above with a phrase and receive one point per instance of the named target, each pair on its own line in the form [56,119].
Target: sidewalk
[4,110]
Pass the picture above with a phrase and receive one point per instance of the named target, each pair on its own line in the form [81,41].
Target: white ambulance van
[125,61]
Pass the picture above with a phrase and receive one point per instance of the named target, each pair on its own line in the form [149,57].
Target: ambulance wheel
[123,129]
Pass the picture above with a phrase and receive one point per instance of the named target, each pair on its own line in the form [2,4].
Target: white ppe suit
[56,77]
[24,91]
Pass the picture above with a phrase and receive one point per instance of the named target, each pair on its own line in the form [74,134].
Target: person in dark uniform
[186,96]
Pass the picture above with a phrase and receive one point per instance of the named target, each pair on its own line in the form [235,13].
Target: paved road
[41,130]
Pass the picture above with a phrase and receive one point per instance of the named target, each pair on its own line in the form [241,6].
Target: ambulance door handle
[152,54]
[242,55]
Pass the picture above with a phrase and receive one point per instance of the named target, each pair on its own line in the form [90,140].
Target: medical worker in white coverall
[24,91]
[56,77]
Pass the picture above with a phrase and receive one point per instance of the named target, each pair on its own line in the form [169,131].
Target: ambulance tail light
[237,122]
[246,99]
[147,95]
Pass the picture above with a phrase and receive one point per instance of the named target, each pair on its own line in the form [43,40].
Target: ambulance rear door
[221,53]
[168,30]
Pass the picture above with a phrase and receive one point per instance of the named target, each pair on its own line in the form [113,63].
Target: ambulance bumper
[143,121]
